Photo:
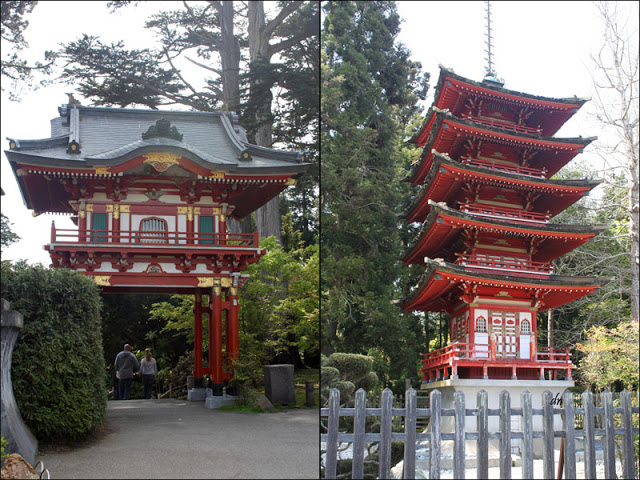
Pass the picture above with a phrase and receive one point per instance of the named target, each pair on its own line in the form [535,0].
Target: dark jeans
[147,384]
[125,386]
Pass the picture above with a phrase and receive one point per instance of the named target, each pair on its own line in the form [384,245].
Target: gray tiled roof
[110,136]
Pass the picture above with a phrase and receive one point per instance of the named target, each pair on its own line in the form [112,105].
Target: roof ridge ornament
[162,128]
[491,77]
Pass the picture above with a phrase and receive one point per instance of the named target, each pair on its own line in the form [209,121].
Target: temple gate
[150,192]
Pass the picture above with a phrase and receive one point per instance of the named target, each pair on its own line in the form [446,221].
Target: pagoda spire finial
[490,75]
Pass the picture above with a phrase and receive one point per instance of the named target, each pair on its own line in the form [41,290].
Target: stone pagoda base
[471,387]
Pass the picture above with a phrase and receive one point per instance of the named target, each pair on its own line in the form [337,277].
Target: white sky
[541,48]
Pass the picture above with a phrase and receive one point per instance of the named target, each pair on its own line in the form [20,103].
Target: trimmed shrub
[352,366]
[58,366]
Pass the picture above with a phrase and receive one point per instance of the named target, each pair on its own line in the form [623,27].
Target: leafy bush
[58,367]
[347,372]
[2,454]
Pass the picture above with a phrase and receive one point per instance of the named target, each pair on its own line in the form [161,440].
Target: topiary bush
[347,372]
[58,366]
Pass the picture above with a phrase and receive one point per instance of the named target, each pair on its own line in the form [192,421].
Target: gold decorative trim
[196,210]
[162,157]
[223,218]
[125,208]
[205,281]
[182,210]
[217,210]
[110,208]
[233,291]
[161,161]
[224,282]
[102,170]
[102,280]
[89,207]
[290,181]
[216,174]
[81,213]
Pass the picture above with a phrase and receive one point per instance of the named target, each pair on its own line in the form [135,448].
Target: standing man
[125,363]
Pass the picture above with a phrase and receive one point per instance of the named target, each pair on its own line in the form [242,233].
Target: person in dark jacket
[125,363]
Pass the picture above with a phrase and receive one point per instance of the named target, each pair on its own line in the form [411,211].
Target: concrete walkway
[179,439]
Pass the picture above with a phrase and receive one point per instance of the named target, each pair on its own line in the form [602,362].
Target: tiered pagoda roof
[486,198]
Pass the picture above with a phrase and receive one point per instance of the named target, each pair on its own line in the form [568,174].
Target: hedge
[58,366]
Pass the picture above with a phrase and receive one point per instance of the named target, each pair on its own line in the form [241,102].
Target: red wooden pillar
[190,229]
[215,335]
[197,335]
[115,223]
[82,223]
[232,328]
[222,225]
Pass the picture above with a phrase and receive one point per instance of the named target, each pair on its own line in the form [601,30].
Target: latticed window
[153,230]
[525,327]
[481,325]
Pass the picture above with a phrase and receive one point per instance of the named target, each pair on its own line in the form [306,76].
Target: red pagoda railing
[510,264]
[445,362]
[153,238]
[504,125]
[501,167]
[505,212]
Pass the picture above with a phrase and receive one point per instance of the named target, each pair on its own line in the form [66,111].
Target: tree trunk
[229,58]
[550,328]
[268,220]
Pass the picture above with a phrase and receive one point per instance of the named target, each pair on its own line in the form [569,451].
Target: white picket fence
[589,412]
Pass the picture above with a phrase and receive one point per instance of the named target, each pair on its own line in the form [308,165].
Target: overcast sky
[541,48]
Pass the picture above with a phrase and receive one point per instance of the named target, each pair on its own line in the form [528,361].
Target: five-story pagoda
[486,200]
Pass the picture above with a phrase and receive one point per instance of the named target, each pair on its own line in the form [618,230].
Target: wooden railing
[504,125]
[153,238]
[501,167]
[513,214]
[502,264]
[432,438]
[444,363]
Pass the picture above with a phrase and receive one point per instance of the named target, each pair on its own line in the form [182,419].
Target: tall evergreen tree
[370,90]
[217,37]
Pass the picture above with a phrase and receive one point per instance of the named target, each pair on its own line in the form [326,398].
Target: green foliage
[610,357]
[370,91]
[347,372]
[280,304]
[57,369]
[7,236]
[3,455]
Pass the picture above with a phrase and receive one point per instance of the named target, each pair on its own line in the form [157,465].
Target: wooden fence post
[332,434]
[628,467]
[482,448]
[357,462]
[527,435]
[505,435]
[385,434]
[434,455]
[589,436]
[410,434]
[608,441]
[570,439]
[547,427]
[458,446]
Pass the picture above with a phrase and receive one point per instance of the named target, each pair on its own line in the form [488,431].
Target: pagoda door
[502,331]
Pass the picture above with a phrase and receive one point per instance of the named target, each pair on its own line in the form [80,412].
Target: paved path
[179,439]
